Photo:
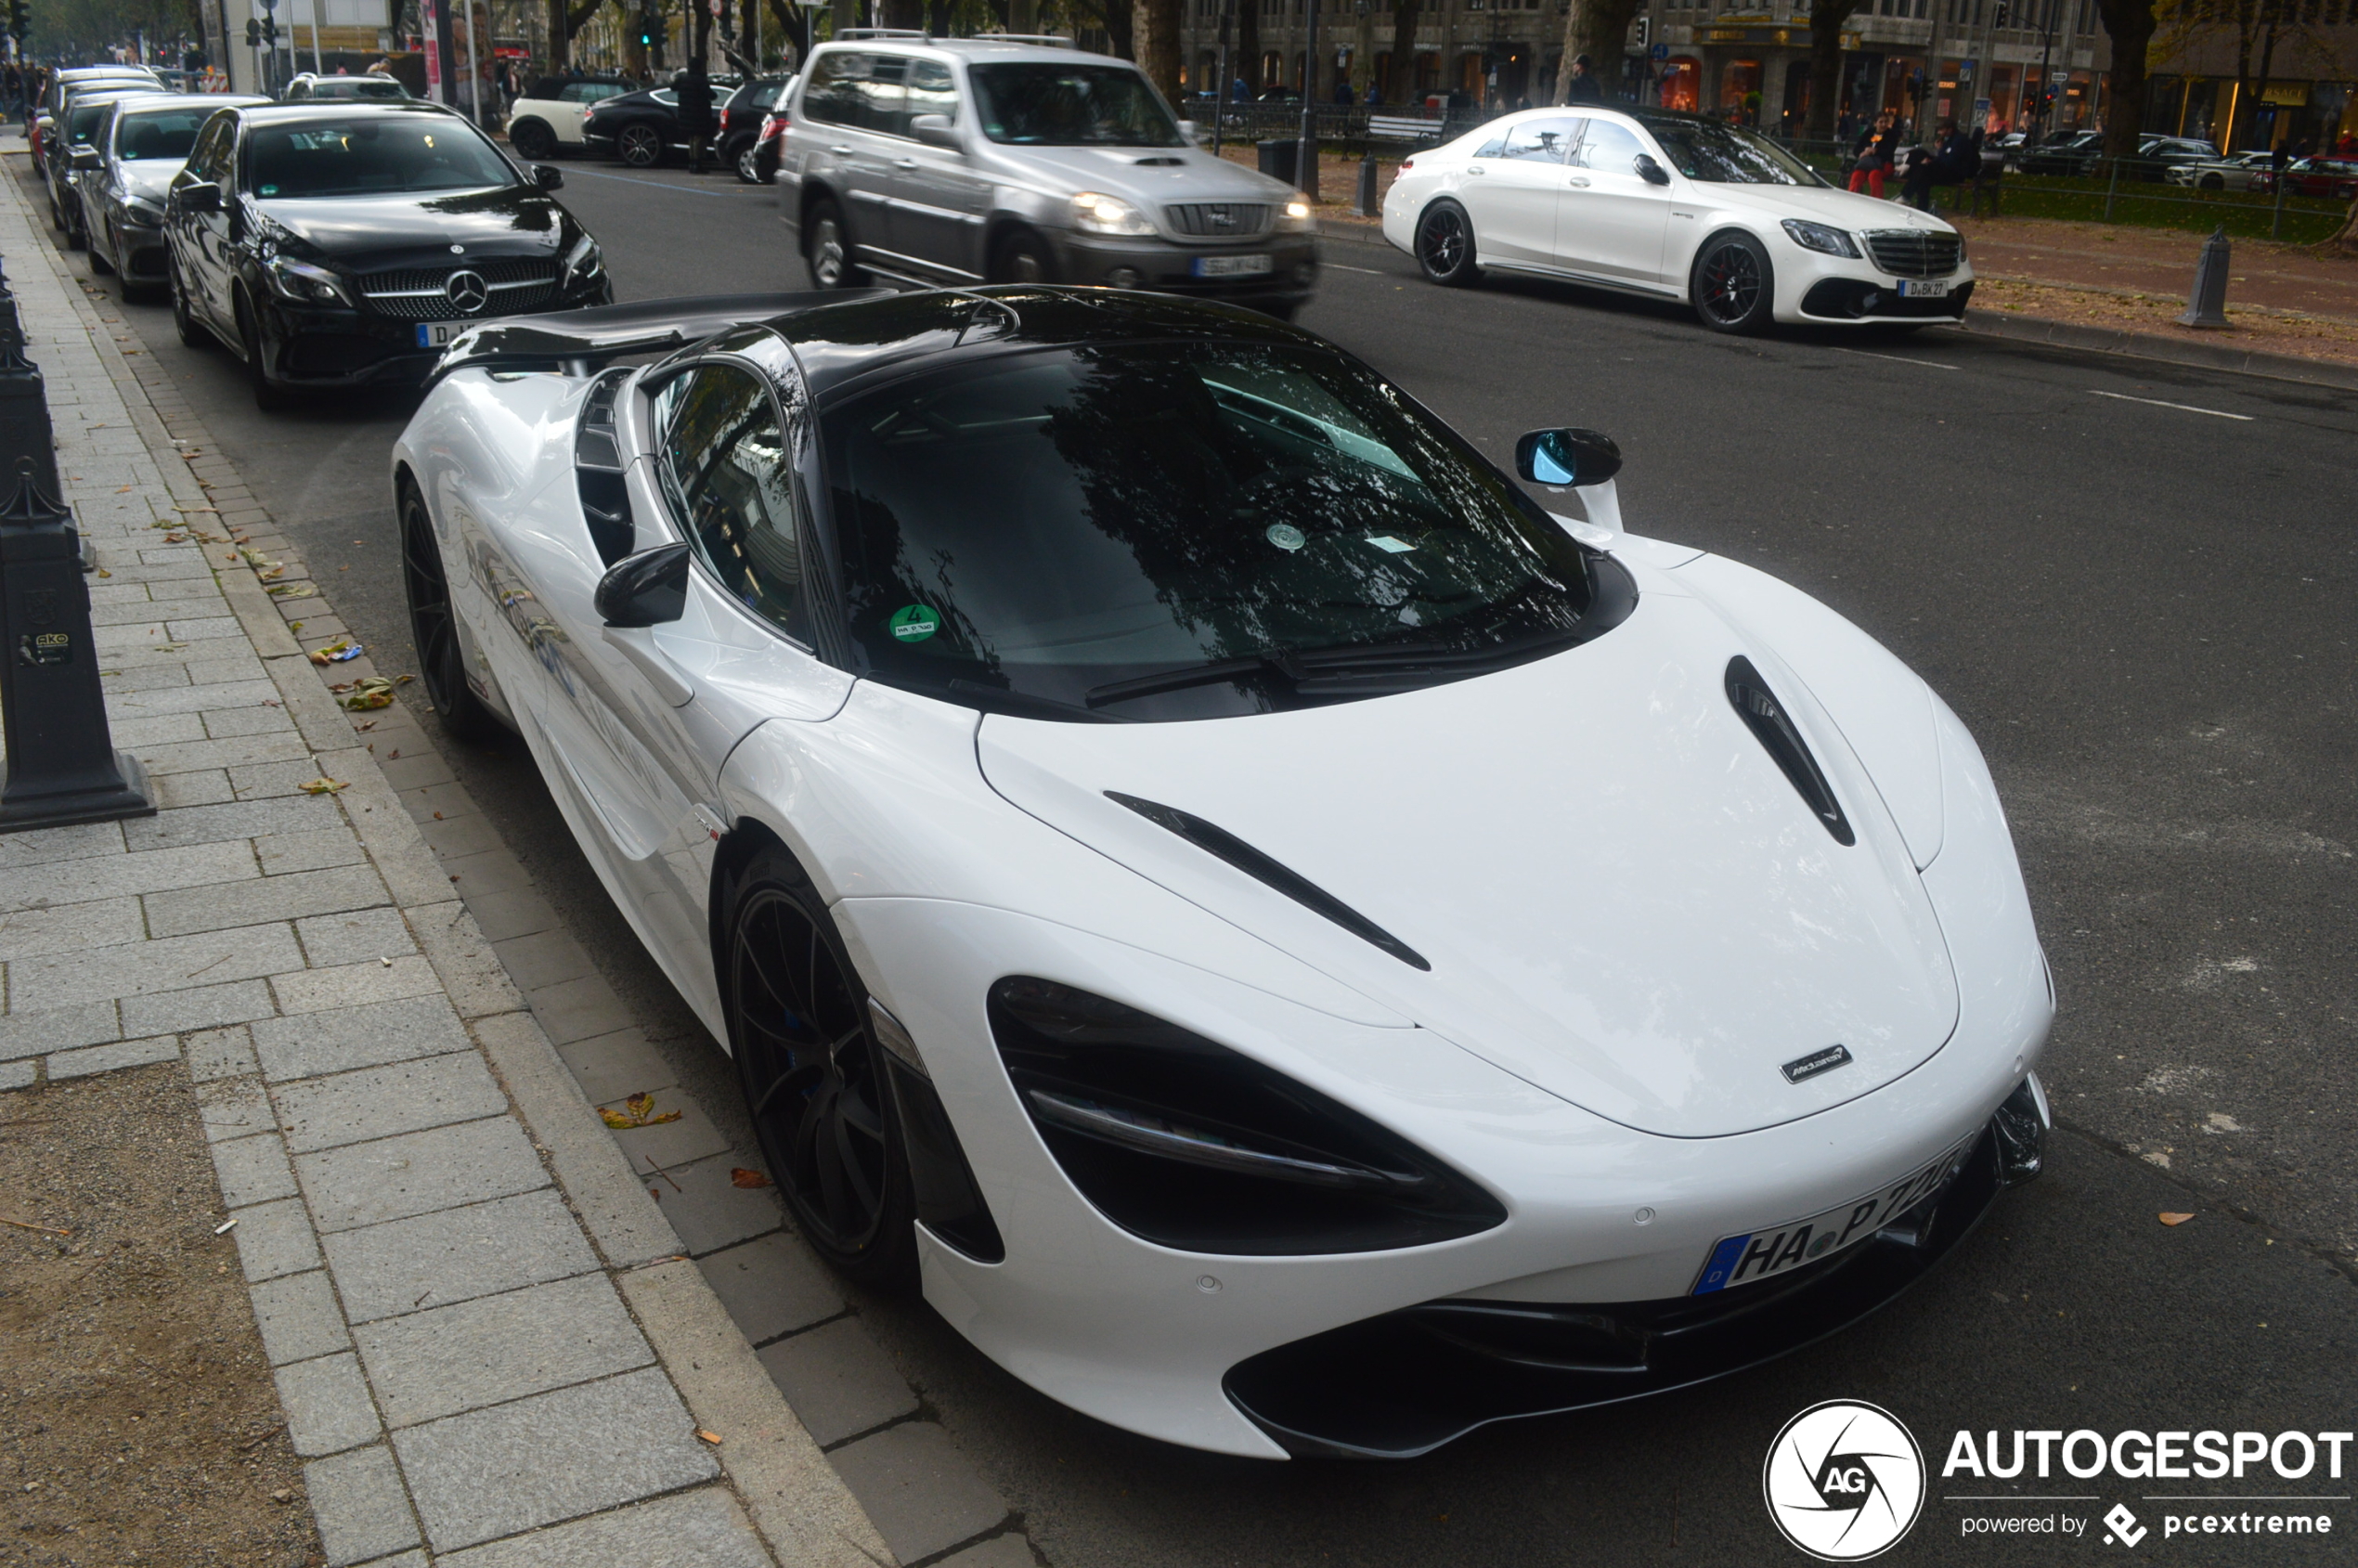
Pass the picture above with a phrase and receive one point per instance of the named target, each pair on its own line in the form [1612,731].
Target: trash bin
[1280,159]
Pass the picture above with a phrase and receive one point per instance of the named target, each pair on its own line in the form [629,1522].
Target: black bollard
[25,431]
[2206,306]
[1367,206]
[62,764]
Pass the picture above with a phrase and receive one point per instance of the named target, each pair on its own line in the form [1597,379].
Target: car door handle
[905,163]
[840,151]
[1581,181]
[1475,169]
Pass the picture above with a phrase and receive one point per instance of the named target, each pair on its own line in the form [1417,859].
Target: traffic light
[1999,19]
[646,30]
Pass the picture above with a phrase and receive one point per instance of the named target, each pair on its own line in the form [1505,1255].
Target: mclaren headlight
[582,263]
[1189,1145]
[1820,237]
[1097,214]
[303,283]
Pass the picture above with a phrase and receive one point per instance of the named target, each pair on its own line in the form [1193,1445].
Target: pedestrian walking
[695,114]
[1583,87]
[1876,145]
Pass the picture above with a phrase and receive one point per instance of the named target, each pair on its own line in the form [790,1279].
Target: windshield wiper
[1306,671]
[1191,674]
[1021,705]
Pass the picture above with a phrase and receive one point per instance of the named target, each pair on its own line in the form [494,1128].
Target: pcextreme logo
[1844,1481]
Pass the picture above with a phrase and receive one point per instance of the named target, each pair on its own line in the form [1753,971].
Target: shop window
[1682,84]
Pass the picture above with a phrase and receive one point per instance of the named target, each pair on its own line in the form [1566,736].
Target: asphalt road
[2132,581]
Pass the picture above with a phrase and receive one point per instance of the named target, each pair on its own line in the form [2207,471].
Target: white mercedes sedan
[1677,207]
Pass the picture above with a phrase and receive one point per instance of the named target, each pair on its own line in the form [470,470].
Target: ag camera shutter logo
[1844,1481]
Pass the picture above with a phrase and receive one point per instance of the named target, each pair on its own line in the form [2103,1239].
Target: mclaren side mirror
[1652,172]
[547,177]
[935,130]
[648,588]
[201,196]
[1567,457]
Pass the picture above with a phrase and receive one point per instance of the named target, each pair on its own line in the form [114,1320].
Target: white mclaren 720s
[1295,946]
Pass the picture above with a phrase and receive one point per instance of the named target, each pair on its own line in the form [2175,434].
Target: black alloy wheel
[826,249]
[748,165]
[638,146]
[2214,182]
[442,662]
[266,396]
[1446,245]
[814,1075]
[1022,257]
[193,333]
[1733,287]
[533,140]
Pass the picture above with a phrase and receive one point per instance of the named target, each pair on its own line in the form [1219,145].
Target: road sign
[1661,51]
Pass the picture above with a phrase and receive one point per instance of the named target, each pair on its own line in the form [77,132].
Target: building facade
[2280,72]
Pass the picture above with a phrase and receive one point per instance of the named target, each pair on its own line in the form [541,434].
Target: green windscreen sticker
[913,623]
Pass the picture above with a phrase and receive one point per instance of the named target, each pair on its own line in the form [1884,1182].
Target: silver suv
[961,161]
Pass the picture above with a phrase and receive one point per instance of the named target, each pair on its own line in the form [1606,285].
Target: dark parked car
[741,121]
[643,129]
[123,175]
[310,88]
[79,79]
[345,245]
[84,112]
[2063,152]
[768,142]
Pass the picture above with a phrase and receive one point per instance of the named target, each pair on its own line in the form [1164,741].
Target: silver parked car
[123,172]
[964,161]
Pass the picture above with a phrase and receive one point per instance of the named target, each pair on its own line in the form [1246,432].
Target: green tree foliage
[88,30]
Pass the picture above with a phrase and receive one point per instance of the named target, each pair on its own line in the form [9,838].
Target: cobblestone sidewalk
[489,1344]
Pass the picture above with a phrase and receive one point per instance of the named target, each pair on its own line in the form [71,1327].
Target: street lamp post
[1306,158]
[1220,84]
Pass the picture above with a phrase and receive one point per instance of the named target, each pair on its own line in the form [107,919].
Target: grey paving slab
[1010,1550]
[446,1360]
[923,1495]
[17,1075]
[706,1207]
[281,853]
[840,1380]
[552,1457]
[462,835]
[299,1318]
[502,917]
[109,1059]
[545,958]
[220,1052]
[253,1170]
[143,968]
[362,1511]
[31,933]
[351,985]
[492,871]
[47,846]
[617,1066]
[288,896]
[198,1007]
[419,1172]
[38,1032]
[274,1240]
[671,1143]
[327,1403]
[64,882]
[771,1286]
[244,819]
[179,753]
[404,1265]
[343,1039]
[380,1102]
[234,1108]
[355,936]
[700,1529]
[578,1010]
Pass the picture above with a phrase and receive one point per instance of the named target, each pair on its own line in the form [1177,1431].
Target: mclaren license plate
[1924,287]
[1762,1255]
[1231,267]
[437,334]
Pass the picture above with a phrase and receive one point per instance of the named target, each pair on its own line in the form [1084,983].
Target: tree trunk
[560,38]
[2345,240]
[1119,30]
[1598,28]
[1405,17]
[2130,25]
[1826,17]
[1155,28]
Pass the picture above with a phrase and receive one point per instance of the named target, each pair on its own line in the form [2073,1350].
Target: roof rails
[916,36]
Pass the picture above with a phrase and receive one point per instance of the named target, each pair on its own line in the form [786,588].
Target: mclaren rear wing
[582,341]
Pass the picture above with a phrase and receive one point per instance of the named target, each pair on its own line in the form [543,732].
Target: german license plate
[1924,287]
[437,334]
[1762,1255]
[1230,266]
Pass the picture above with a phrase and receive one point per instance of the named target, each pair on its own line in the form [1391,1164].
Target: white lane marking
[1371,271]
[1895,358]
[665,184]
[2183,408]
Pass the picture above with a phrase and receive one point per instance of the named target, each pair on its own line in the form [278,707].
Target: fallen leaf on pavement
[324,786]
[2168,1219]
[369,692]
[637,1111]
[740,1176]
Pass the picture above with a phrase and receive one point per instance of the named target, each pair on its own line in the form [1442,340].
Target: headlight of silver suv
[1295,216]
[1096,213]
[1818,236]
[303,283]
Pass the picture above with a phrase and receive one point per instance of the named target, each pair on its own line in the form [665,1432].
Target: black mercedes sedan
[339,245]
